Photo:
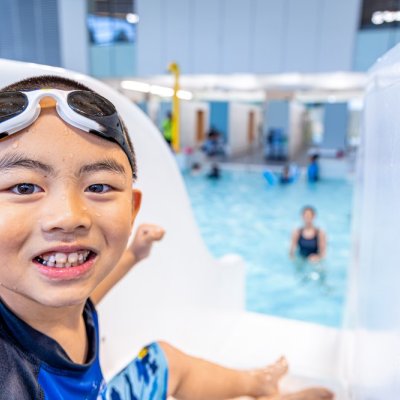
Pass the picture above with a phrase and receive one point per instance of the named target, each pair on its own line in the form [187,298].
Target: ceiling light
[161,91]
[379,17]
[185,95]
[132,18]
[136,86]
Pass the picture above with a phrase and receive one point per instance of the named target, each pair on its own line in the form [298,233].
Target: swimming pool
[242,214]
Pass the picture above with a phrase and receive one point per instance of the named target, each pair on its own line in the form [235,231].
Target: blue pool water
[242,214]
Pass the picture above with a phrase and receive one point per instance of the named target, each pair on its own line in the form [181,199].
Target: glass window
[380,14]
[112,21]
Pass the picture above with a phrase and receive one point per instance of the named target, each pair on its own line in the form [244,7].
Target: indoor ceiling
[307,87]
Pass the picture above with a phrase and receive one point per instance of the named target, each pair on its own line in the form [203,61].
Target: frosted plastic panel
[374,369]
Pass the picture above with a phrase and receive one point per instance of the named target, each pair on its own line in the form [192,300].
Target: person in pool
[308,242]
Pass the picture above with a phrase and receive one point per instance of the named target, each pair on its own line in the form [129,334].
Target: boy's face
[66,200]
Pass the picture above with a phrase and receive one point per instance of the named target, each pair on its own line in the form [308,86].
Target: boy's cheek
[12,233]
[117,223]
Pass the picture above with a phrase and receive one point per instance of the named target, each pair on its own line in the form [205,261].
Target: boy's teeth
[73,257]
[63,260]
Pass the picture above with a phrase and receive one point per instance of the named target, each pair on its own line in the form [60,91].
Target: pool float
[270,177]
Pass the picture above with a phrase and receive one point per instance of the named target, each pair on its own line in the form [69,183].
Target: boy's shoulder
[18,371]
[31,363]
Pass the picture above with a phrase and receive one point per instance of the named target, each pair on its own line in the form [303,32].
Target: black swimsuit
[308,246]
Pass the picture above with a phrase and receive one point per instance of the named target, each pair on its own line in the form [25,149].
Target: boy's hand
[143,240]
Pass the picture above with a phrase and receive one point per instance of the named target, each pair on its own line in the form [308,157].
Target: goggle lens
[90,105]
[12,104]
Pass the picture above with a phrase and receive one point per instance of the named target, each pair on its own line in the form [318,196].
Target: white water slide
[183,295]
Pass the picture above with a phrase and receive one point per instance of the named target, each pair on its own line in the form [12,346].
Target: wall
[260,36]
[117,59]
[238,127]
[276,115]
[188,113]
[29,31]
[335,126]
[73,35]
[219,116]
[372,44]
[296,129]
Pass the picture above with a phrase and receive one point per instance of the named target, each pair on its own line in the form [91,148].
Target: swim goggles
[82,109]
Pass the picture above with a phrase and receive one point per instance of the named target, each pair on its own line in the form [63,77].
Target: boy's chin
[62,300]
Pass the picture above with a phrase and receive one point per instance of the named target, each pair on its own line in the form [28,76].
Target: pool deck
[257,157]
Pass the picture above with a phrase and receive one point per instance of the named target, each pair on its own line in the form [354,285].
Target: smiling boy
[67,207]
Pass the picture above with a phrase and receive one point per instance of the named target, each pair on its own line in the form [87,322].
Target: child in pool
[65,174]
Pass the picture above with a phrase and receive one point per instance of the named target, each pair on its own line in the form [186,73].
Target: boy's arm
[138,249]
[192,378]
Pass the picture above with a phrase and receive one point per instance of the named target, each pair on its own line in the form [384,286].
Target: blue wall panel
[300,45]
[219,117]
[178,33]
[151,37]
[236,36]
[250,36]
[336,41]
[372,44]
[207,36]
[29,31]
[335,126]
[277,116]
[268,32]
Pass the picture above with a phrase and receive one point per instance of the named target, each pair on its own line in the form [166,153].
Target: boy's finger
[156,234]
[150,234]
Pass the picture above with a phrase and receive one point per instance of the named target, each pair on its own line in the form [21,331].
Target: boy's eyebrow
[19,160]
[104,165]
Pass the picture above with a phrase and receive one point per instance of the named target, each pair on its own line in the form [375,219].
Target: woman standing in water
[308,242]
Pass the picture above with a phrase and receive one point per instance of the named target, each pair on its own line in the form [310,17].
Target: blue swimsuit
[308,246]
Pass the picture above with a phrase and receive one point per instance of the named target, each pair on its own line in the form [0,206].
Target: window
[112,21]
[378,14]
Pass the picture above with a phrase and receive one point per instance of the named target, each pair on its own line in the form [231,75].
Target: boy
[66,211]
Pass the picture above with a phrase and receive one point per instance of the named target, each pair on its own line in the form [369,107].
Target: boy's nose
[67,214]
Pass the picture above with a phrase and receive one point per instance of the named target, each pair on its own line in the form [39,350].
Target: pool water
[241,213]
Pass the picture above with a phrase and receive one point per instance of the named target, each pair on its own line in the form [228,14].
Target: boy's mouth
[65,260]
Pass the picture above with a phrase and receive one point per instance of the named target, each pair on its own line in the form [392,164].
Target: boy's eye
[26,188]
[99,188]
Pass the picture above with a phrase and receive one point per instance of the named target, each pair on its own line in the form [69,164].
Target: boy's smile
[66,211]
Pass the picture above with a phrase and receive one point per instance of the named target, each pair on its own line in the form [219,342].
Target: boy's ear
[136,202]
